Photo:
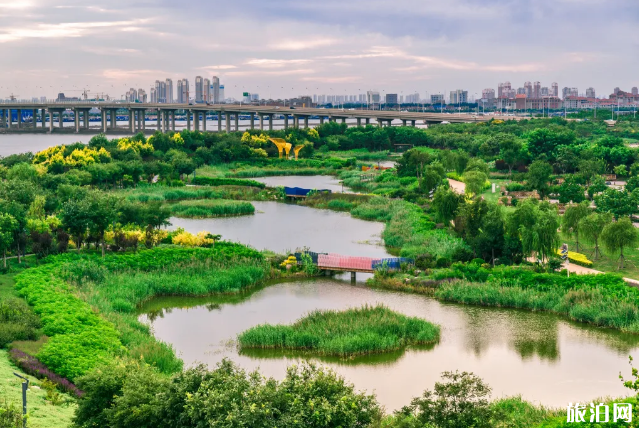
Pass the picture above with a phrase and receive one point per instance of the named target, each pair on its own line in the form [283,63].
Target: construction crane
[85,92]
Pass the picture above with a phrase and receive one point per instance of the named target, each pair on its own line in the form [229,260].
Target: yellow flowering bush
[187,239]
[178,140]
[254,140]
[53,158]
[577,258]
[144,149]
[290,261]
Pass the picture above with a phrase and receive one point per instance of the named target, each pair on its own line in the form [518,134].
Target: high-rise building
[413,98]
[215,95]
[459,96]
[153,96]
[528,89]
[206,91]
[590,93]
[488,94]
[160,91]
[142,95]
[132,95]
[536,91]
[437,99]
[222,97]
[554,89]
[544,91]
[569,92]
[391,99]
[521,91]
[169,91]
[183,91]
[199,89]
[362,98]
[372,97]
[616,90]
[634,91]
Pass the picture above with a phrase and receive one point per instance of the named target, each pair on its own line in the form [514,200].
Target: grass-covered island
[358,331]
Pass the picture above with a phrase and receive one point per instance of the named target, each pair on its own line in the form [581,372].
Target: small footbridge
[331,262]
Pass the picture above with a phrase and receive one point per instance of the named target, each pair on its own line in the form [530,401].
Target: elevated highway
[196,116]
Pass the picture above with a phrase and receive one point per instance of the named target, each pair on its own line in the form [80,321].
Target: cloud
[295,44]
[62,30]
[275,63]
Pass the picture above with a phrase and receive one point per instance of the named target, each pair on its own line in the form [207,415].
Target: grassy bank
[66,292]
[344,333]
[173,194]
[211,208]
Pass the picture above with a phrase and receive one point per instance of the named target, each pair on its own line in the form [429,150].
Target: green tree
[461,400]
[589,168]
[76,218]
[432,177]
[597,185]
[570,191]
[617,202]
[491,240]
[538,176]
[619,235]
[511,151]
[536,224]
[570,224]
[103,209]
[474,181]
[8,226]
[591,227]
[446,202]
[542,142]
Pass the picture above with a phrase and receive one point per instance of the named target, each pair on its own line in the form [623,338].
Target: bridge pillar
[270,122]
[286,121]
[219,121]
[61,118]
[172,120]
[114,119]
[2,118]
[306,122]
[188,119]
[368,121]
[380,122]
[19,118]
[412,123]
[131,118]
[50,121]
[237,121]
[86,116]
[359,121]
[262,122]
[321,120]
[76,119]
[196,120]
[204,121]
[390,121]
[158,125]
[343,120]
[144,119]
[403,122]
[252,120]
[44,116]
[296,121]
[227,122]
[103,113]
[353,276]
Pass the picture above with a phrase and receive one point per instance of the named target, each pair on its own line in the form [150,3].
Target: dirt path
[581,270]
[457,186]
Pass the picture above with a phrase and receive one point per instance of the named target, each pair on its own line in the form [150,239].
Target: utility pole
[25,386]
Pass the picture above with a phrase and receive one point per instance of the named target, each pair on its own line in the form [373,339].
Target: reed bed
[358,331]
[172,194]
[207,208]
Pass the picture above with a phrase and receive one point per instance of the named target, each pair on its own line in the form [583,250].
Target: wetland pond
[545,358]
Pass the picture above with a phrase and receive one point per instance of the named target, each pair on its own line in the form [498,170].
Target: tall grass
[347,333]
[170,194]
[264,172]
[212,208]
[335,201]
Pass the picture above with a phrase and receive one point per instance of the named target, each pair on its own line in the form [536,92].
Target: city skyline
[285,49]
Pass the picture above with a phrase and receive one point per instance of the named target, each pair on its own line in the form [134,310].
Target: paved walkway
[457,186]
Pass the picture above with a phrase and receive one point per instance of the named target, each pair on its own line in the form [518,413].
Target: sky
[287,48]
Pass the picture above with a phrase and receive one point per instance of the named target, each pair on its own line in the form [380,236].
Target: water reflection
[541,356]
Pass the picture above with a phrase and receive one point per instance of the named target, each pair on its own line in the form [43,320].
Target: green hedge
[209,181]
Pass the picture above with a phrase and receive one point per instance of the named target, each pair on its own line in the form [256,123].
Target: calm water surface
[543,357]
[285,227]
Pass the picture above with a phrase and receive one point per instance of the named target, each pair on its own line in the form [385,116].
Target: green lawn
[608,262]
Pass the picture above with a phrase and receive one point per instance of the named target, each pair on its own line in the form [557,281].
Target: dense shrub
[209,181]
[17,322]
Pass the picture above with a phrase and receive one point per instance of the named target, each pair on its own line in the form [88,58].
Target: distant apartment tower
[569,92]
[391,99]
[590,93]
[536,91]
[554,89]
[183,91]
[437,99]
[222,96]
[160,91]
[544,92]
[199,89]
[131,95]
[169,91]
[413,98]
[206,90]
[142,95]
[528,89]
[372,97]
[215,82]
[634,91]
[488,94]
[153,96]
[521,91]
[459,96]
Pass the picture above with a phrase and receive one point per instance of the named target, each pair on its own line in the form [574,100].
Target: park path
[457,186]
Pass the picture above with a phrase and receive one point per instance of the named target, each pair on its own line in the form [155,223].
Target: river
[543,357]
